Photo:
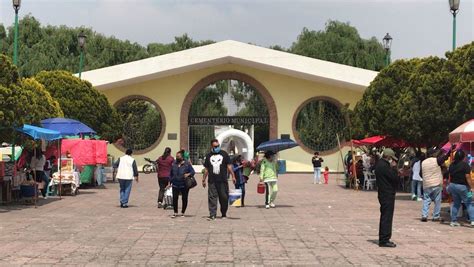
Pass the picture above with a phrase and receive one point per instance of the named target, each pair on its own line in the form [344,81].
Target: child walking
[326,175]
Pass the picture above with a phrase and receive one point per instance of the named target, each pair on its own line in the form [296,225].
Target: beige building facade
[285,81]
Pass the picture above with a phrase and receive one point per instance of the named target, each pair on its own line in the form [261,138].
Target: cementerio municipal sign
[231,120]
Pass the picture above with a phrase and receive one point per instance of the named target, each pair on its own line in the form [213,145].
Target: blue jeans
[317,174]
[125,188]
[416,188]
[459,194]
[431,194]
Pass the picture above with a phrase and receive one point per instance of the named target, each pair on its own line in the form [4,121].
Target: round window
[317,123]
[142,122]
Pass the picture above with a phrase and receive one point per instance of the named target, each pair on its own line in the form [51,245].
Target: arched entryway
[222,115]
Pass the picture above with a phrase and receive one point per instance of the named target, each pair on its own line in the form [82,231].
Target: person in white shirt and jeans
[416,179]
[126,171]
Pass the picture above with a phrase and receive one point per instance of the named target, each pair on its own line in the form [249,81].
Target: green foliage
[23,102]
[57,48]
[8,71]
[340,43]
[317,124]
[418,100]
[142,124]
[80,101]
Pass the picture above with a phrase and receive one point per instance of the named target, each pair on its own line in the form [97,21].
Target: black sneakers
[388,244]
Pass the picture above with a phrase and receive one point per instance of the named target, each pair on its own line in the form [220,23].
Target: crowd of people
[428,176]
[427,173]
[173,173]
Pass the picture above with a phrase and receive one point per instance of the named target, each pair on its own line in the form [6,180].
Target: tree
[80,101]
[22,101]
[142,124]
[340,43]
[8,71]
[418,100]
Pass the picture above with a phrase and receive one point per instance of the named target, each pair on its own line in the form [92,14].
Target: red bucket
[261,188]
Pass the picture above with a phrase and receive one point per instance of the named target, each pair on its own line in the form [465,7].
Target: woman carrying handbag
[180,171]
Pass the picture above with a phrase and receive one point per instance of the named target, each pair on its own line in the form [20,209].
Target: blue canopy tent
[67,127]
[38,133]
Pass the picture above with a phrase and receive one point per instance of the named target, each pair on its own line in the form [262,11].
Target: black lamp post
[454,8]
[16,7]
[387,43]
[82,42]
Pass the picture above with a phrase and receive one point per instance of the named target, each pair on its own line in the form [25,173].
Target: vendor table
[67,178]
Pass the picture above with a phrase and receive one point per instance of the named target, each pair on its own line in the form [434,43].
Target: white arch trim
[241,136]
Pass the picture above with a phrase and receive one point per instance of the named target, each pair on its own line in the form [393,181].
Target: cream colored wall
[287,92]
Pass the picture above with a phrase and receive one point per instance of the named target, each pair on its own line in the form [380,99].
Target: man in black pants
[217,166]
[387,182]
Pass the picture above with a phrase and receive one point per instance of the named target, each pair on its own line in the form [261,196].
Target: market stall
[88,155]
[37,133]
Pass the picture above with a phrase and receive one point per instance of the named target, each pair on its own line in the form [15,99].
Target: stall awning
[67,126]
[39,133]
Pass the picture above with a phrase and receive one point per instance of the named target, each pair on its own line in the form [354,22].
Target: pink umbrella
[463,133]
[462,146]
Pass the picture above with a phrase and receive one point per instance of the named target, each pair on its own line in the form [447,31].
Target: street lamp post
[454,8]
[16,7]
[387,43]
[82,41]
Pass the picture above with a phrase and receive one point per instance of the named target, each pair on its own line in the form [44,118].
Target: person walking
[126,171]
[180,170]
[164,164]
[317,168]
[461,187]
[238,168]
[432,184]
[269,175]
[217,166]
[387,183]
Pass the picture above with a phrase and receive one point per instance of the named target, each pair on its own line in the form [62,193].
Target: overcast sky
[418,27]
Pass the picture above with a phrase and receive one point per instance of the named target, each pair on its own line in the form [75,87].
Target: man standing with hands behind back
[217,166]
[387,181]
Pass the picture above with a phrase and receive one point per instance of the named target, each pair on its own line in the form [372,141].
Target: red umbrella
[380,140]
[464,133]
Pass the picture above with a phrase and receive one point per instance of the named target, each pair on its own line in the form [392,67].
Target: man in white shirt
[417,180]
[126,171]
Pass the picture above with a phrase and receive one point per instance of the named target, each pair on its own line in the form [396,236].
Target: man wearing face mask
[217,166]
[387,182]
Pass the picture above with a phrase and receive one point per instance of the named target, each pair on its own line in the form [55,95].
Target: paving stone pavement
[311,225]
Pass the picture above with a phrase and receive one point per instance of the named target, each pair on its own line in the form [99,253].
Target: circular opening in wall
[317,123]
[143,124]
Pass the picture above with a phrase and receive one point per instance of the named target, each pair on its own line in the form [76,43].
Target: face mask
[216,149]
[390,161]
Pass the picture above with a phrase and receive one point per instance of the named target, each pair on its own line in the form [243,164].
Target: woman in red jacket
[164,164]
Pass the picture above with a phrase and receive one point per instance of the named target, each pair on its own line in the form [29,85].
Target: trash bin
[281,166]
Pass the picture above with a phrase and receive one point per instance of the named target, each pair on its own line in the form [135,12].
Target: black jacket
[317,162]
[386,177]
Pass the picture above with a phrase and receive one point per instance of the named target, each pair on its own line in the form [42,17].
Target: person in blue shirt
[239,177]
[180,170]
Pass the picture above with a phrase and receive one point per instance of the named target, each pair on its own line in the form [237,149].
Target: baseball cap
[389,152]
